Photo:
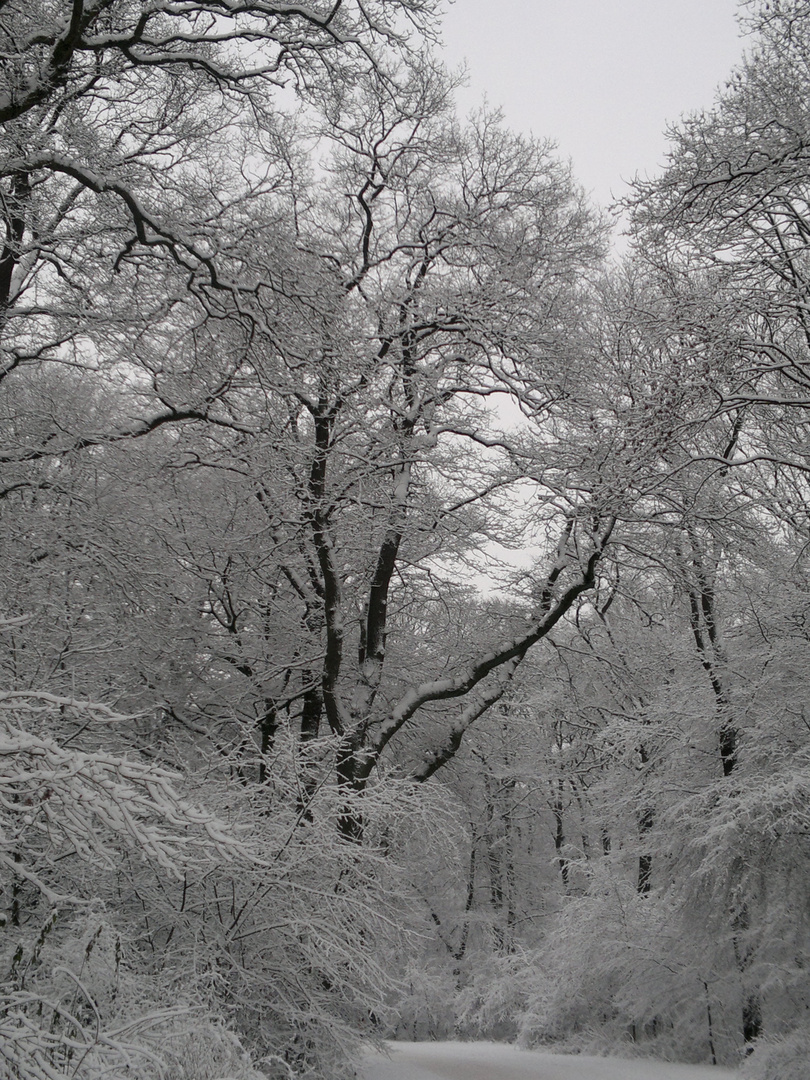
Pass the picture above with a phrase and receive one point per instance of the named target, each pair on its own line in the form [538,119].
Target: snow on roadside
[497,1061]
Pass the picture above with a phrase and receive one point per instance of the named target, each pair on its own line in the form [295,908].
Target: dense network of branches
[403,612]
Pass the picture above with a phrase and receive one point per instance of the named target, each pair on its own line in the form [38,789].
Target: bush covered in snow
[780,1058]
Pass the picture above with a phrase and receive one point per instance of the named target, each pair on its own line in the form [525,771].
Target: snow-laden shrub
[425,1005]
[780,1058]
[495,998]
[78,1003]
[88,835]
[41,1039]
[209,1051]
[137,918]
[619,974]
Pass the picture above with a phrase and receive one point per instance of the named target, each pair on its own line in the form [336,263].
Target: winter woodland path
[496,1061]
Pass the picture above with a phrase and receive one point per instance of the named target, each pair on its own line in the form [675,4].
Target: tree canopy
[293,754]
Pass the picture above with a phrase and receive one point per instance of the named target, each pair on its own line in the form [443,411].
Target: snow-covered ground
[495,1061]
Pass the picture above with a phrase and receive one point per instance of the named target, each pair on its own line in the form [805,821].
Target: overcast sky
[600,77]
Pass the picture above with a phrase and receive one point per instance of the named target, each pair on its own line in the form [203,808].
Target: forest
[404,601]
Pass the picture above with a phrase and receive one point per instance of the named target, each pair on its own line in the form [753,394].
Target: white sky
[600,77]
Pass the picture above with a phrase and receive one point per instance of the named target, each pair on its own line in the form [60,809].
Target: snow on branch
[57,801]
[41,1051]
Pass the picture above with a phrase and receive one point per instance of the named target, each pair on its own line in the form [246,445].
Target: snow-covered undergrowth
[786,1058]
[148,934]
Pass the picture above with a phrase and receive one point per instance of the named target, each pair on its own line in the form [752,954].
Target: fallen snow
[496,1061]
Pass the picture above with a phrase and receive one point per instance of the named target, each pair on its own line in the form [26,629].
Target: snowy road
[494,1061]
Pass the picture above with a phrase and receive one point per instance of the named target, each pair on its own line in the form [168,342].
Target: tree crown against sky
[250,460]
